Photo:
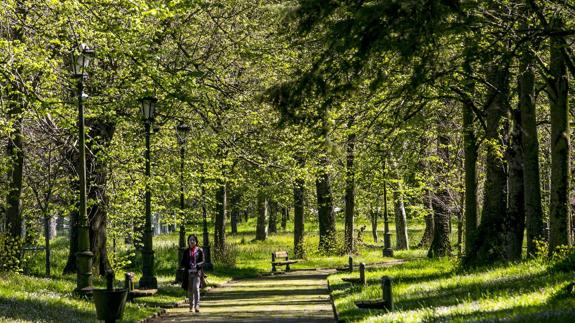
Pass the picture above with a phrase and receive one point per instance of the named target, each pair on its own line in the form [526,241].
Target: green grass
[424,290]
[437,290]
[30,297]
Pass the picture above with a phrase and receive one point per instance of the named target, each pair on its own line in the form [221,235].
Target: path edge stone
[332,300]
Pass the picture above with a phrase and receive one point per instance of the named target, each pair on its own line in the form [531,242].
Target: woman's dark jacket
[185,263]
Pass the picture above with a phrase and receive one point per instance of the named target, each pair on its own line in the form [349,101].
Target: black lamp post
[80,61]
[182,131]
[148,280]
[387,251]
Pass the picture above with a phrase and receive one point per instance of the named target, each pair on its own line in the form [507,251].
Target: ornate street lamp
[80,61]
[148,280]
[182,131]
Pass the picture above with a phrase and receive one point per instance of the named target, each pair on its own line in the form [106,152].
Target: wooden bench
[283,255]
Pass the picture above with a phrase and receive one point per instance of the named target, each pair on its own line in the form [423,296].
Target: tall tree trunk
[489,245]
[326,214]
[14,218]
[298,218]
[425,241]
[373,216]
[470,163]
[235,211]
[516,207]
[559,217]
[440,244]
[102,131]
[47,237]
[272,223]
[71,267]
[220,221]
[350,188]
[261,227]
[531,181]
[285,214]
[402,240]
[234,221]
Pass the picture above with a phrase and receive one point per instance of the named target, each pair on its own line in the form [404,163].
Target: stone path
[297,296]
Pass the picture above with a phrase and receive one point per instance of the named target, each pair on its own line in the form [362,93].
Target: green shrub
[563,260]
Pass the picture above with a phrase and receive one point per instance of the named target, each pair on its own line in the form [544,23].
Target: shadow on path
[299,296]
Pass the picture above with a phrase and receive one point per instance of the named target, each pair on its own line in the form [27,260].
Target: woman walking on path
[193,261]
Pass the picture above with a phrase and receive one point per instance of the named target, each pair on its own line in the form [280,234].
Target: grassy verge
[437,290]
[31,297]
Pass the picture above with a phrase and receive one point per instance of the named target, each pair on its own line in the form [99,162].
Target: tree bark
[373,216]
[533,210]
[299,217]
[14,218]
[71,267]
[14,148]
[470,165]
[220,221]
[402,240]
[102,132]
[425,241]
[235,212]
[47,237]
[559,217]
[326,215]
[262,228]
[516,208]
[285,213]
[489,245]
[440,244]
[272,223]
[350,188]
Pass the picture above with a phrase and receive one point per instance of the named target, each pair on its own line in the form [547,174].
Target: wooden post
[273,262]
[386,289]
[362,280]
[350,264]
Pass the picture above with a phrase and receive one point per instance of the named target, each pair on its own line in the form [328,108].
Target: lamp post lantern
[182,131]
[148,280]
[80,61]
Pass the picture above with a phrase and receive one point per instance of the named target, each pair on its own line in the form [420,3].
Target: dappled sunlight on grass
[434,290]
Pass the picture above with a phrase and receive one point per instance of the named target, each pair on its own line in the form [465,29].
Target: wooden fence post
[386,289]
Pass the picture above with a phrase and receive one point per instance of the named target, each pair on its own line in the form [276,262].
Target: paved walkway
[297,296]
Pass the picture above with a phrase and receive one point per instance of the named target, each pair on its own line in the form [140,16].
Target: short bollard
[350,263]
[110,302]
[386,290]
[385,303]
[362,280]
